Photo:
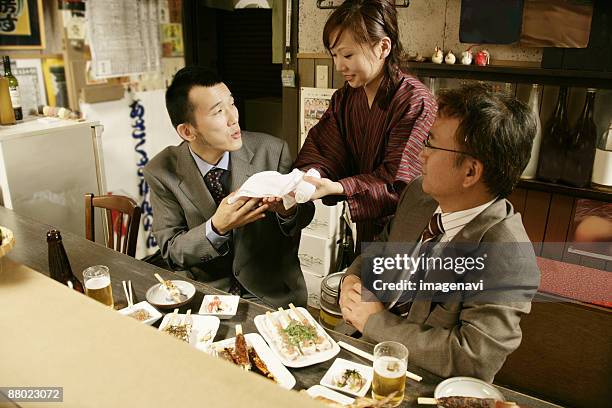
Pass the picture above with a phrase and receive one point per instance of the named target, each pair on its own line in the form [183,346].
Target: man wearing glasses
[460,317]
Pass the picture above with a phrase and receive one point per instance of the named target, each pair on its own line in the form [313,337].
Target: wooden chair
[122,235]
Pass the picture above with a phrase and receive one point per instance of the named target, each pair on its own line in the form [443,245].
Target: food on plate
[256,364]
[140,315]
[295,336]
[182,330]
[216,305]
[351,379]
[241,350]
[173,291]
[467,402]
[361,402]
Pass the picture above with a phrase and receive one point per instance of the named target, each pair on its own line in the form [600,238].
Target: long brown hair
[369,21]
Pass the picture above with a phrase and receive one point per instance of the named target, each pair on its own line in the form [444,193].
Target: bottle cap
[591,89]
[53,235]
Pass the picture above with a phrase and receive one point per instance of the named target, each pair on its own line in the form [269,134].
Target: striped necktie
[433,231]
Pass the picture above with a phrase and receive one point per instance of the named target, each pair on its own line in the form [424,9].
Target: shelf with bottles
[514,74]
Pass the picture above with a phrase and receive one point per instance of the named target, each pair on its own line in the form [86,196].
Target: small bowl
[158,296]
[338,367]
[155,314]
[467,387]
[230,302]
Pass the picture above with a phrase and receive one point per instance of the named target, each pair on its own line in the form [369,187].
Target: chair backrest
[123,220]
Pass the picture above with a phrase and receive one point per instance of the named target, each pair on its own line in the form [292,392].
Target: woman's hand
[275,204]
[324,187]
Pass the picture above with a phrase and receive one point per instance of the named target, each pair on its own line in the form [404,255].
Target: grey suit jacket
[463,336]
[265,252]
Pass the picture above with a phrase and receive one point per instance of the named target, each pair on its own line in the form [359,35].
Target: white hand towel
[274,184]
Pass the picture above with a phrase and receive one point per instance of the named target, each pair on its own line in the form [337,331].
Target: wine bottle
[554,139]
[13,88]
[581,147]
[59,266]
[346,246]
[534,105]
[602,165]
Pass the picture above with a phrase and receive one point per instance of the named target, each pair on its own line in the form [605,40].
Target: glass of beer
[98,284]
[390,363]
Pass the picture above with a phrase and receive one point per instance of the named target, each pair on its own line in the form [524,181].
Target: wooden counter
[31,250]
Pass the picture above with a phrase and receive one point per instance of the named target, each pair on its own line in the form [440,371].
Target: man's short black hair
[494,128]
[178,105]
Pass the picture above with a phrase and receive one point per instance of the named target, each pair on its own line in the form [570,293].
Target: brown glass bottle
[555,136]
[59,266]
[581,147]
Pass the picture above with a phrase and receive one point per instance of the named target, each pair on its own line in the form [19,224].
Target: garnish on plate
[351,379]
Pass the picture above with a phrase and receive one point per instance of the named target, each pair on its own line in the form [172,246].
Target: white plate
[467,387]
[155,314]
[282,375]
[336,370]
[158,296]
[203,329]
[228,302]
[269,333]
[320,391]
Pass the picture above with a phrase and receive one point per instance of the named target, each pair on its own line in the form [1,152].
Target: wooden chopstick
[370,357]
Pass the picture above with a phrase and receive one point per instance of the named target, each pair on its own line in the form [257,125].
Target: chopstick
[128,294]
[370,357]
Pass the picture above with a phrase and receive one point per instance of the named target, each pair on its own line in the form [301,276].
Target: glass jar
[330,315]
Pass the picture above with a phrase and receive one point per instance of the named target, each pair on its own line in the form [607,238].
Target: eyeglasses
[428,145]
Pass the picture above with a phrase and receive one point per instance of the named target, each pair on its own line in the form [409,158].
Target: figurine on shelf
[466,56]
[62,113]
[450,58]
[438,56]
[482,58]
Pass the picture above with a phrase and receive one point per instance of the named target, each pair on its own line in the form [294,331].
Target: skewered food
[255,362]
[241,349]
[182,330]
[467,402]
[258,365]
[294,335]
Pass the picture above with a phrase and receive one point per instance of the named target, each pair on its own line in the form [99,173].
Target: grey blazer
[469,336]
[265,252]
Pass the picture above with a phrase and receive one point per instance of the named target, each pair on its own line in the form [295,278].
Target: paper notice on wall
[124,37]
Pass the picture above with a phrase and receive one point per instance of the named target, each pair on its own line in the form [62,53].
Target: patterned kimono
[372,152]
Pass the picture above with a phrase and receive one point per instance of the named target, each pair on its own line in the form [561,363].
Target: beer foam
[382,364]
[97,283]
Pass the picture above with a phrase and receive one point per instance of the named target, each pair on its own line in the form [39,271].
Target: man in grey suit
[472,159]
[248,247]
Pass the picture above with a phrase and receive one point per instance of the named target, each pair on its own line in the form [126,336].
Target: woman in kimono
[366,145]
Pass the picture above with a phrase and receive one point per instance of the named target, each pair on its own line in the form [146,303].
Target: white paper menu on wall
[313,104]
[124,36]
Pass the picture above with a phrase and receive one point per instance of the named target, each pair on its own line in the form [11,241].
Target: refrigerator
[47,165]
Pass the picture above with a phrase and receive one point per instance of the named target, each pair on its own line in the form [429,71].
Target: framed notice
[21,24]
[313,104]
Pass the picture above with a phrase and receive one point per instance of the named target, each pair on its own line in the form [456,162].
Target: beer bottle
[346,246]
[13,88]
[581,149]
[59,266]
[554,141]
